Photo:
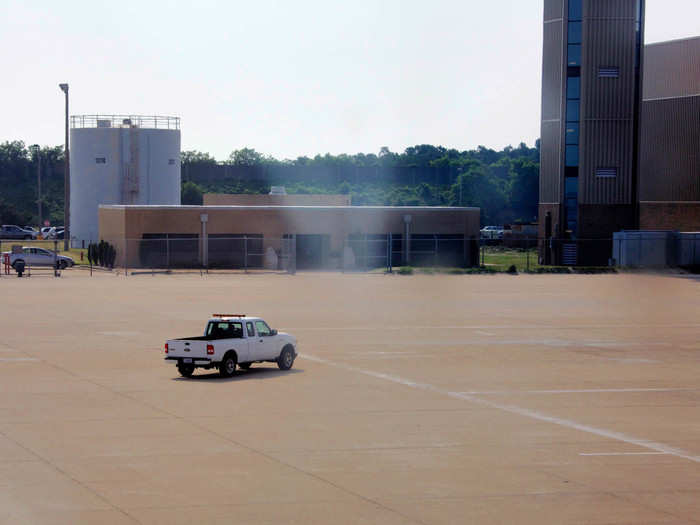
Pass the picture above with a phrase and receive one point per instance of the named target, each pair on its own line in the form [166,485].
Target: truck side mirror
[273,332]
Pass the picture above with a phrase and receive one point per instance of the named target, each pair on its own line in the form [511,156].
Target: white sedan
[40,257]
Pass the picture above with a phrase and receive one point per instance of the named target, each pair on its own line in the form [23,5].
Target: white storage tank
[120,159]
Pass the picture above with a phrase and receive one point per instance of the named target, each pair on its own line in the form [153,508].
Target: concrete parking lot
[416,399]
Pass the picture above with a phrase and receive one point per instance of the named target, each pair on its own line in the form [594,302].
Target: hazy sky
[290,78]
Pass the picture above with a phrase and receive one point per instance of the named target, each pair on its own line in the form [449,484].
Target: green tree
[246,157]
[524,188]
[196,157]
[191,194]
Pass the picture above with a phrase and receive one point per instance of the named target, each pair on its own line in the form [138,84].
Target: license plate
[187,360]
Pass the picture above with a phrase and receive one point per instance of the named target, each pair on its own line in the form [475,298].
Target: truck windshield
[224,330]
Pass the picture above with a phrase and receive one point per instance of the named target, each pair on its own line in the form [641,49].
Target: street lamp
[66,180]
[37,151]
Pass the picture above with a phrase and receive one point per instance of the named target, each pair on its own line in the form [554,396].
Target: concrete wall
[656,248]
[121,223]
[243,199]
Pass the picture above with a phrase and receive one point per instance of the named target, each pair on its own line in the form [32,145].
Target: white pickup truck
[230,340]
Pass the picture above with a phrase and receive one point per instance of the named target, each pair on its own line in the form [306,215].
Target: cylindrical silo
[121,159]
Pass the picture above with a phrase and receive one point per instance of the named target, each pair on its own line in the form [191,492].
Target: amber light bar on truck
[228,315]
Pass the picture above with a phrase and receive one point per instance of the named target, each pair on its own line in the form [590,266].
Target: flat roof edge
[677,97]
[672,41]
[266,207]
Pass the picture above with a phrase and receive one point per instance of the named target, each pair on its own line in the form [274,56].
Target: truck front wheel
[186,370]
[286,358]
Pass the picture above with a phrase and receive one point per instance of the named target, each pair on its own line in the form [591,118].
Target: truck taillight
[166,348]
[210,349]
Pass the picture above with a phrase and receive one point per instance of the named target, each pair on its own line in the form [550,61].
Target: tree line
[504,184]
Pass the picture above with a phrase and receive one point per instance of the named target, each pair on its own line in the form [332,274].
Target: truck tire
[286,359]
[228,365]
[186,370]
[62,265]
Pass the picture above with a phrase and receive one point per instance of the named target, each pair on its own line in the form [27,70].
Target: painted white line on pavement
[525,412]
[623,454]
[583,391]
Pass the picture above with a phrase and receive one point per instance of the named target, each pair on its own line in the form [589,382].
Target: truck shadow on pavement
[242,375]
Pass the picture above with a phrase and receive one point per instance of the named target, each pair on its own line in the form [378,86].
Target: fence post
[126,257]
[55,259]
[245,254]
[167,252]
[389,253]
[435,252]
[527,252]
[366,268]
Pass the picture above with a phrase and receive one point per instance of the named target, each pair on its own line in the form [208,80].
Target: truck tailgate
[187,348]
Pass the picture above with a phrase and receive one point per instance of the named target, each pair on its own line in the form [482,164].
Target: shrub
[405,270]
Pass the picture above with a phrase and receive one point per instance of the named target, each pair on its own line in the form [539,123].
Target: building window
[572,132]
[572,155]
[606,173]
[171,161]
[575,9]
[571,186]
[573,87]
[100,160]
[574,33]
[572,110]
[608,72]
[574,54]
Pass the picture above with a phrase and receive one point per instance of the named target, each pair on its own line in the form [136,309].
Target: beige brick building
[319,236]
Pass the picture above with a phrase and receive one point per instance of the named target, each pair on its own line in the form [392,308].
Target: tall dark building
[591,98]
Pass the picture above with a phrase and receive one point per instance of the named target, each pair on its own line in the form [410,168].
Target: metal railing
[125,121]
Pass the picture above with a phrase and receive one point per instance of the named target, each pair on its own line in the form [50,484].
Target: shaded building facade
[669,169]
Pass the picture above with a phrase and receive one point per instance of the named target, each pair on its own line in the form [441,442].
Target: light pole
[37,151]
[66,180]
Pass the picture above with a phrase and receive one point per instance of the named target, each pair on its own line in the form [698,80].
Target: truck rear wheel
[286,358]
[228,365]
[186,370]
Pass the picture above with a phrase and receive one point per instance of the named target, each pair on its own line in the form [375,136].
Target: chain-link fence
[167,253]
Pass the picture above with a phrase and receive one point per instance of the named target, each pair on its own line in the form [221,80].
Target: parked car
[492,232]
[32,229]
[32,256]
[10,231]
[48,231]
[232,340]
